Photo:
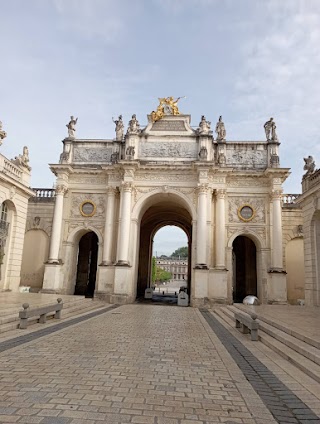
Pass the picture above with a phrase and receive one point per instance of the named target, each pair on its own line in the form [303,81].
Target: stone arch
[258,240]
[8,235]
[145,200]
[261,249]
[153,211]
[71,246]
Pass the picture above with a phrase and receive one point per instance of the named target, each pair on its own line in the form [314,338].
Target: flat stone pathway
[134,364]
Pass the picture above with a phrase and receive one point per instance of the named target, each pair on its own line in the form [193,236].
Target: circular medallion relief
[87,208]
[246,213]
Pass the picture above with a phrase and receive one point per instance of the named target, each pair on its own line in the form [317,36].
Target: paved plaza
[144,364]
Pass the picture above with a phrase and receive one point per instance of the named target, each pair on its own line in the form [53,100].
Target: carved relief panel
[239,208]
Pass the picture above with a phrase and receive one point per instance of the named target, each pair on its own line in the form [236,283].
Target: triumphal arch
[112,196]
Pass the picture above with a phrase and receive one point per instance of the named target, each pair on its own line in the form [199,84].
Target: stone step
[280,326]
[297,352]
[285,337]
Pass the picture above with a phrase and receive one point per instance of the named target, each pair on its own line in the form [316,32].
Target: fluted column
[109,225]
[56,225]
[124,230]
[220,229]
[202,227]
[277,259]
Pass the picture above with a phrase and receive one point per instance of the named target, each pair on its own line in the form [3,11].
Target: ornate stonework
[257,204]
[246,157]
[93,154]
[79,199]
[168,150]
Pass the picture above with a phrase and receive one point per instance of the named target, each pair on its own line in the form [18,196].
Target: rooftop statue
[270,129]
[204,126]
[3,134]
[220,130]
[167,106]
[134,126]
[119,128]
[72,127]
[309,165]
[23,160]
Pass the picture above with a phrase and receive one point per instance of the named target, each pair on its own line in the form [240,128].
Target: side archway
[295,269]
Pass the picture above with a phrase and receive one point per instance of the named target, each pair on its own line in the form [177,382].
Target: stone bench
[247,323]
[39,312]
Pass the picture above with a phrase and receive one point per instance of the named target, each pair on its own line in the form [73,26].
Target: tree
[153,272]
[162,275]
[181,251]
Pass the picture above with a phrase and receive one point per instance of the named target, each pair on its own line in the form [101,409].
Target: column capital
[221,193]
[61,189]
[112,191]
[276,194]
[126,186]
[202,188]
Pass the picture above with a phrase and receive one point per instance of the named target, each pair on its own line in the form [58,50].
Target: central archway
[163,211]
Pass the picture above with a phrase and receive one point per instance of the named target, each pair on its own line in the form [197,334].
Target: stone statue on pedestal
[134,127]
[119,128]
[309,165]
[3,134]
[220,130]
[270,130]
[72,127]
[204,126]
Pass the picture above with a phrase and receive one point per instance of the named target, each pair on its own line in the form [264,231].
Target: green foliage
[162,275]
[181,251]
[153,272]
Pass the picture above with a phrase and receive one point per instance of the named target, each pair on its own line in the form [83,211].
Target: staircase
[72,306]
[297,348]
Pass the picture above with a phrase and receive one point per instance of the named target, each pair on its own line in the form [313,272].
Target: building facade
[113,195]
[177,267]
[14,195]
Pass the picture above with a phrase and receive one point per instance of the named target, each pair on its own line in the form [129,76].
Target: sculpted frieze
[248,182]
[165,177]
[88,180]
[92,154]
[257,204]
[247,158]
[180,150]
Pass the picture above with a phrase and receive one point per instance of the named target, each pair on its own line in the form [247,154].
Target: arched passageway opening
[166,212]
[87,265]
[244,260]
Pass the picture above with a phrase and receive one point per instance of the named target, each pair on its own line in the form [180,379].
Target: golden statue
[167,106]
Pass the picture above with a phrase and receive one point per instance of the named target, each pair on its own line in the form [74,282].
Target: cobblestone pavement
[134,364]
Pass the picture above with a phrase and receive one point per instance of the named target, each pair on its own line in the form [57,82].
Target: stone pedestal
[200,287]
[277,287]
[52,280]
[217,286]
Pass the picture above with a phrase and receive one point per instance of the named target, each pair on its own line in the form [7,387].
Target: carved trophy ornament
[23,160]
[72,127]
[3,134]
[309,165]
[167,106]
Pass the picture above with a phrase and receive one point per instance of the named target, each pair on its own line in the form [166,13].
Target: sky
[246,60]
